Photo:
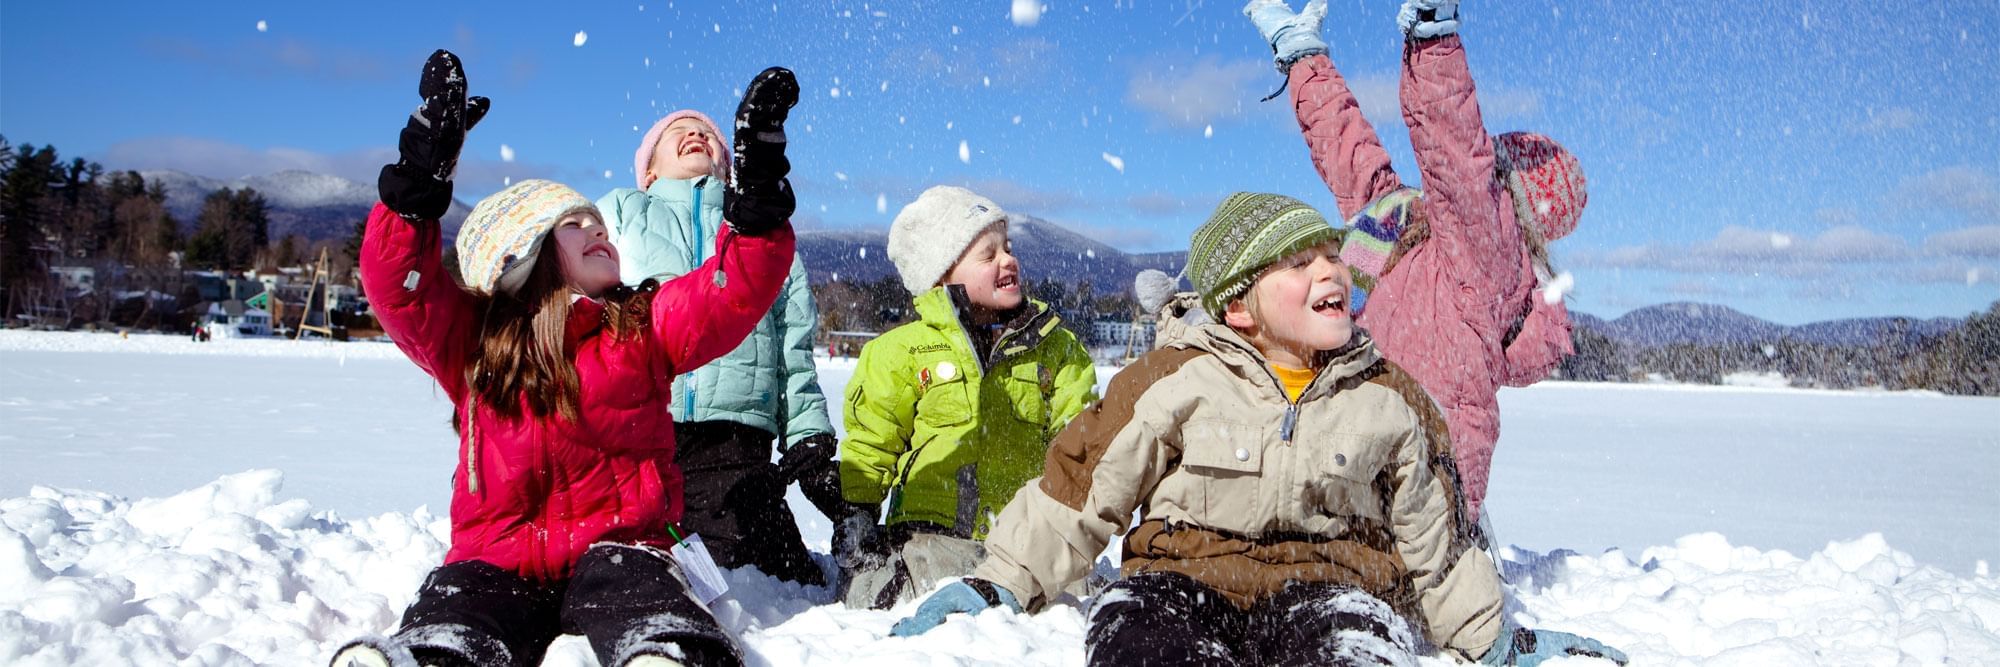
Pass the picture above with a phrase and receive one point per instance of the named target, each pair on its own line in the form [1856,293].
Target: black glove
[814,451]
[418,185]
[759,198]
[821,484]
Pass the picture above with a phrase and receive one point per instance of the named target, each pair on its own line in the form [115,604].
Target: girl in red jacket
[1460,290]
[566,493]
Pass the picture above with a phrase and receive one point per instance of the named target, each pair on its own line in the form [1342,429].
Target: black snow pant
[629,601]
[733,499]
[1161,619]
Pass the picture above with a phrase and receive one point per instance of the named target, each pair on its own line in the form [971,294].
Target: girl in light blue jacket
[728,413]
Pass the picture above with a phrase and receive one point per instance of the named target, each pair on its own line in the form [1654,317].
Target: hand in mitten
[970,595]
[820,483]
[1291,36]
[1528,648]
[1426,19]
[858,540]
[759,199]
[808,453]
[418,185]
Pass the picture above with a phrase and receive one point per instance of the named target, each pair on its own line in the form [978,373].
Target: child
[948,415]
[1462,293]
[729,410]
[1295,496]
[566,489]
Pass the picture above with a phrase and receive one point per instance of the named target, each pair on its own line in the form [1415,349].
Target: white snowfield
[246,502]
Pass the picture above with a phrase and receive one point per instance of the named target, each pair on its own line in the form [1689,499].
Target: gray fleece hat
[930,233]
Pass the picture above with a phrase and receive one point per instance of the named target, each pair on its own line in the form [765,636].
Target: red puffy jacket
[1442,312]
[549,488]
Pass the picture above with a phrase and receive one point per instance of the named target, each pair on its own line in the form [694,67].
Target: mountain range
[323,206]
[312,205]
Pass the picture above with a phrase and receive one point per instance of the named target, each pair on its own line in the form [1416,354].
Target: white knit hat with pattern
[500,238]
[931,232]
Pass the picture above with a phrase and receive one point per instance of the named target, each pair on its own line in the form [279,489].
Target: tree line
[57,213]
[1963,361]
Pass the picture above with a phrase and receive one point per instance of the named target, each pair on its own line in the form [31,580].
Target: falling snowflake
[263,27]
[840,175]
[1116,162]
[1780,241]
[864,252]
[1971,277]
[506,153]
[1017,119]
[835,93]
[881,203]
[607,173]
[1026,13]
[1208,132]
[1557,287]
[581,37]
[964,152]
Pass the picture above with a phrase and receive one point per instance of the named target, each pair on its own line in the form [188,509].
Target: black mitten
[813,451]
[759,198]
[418,185]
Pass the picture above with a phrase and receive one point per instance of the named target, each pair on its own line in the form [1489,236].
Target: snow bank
[231,574]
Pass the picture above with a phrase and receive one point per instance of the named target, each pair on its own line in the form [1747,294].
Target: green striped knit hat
[1248,232]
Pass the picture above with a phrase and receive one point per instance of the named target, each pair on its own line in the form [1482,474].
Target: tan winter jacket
[1245,491]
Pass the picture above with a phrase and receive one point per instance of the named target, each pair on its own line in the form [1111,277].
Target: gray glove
[1292,36]
[1428,19]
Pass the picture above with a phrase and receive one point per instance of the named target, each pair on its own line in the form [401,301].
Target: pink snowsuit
[1444,310]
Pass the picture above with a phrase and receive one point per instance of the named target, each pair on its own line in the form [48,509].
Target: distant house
[233,317]
[1114,332]
[75,279]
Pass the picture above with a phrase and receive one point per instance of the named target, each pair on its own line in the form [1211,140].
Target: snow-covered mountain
[1046,250]
[1710,324]
[313,205]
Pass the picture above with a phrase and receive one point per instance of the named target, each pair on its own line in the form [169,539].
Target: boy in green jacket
[949,415]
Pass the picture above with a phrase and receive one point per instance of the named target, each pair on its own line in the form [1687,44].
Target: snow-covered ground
[259,502]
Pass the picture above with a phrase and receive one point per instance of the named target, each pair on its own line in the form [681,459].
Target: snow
[1026,13]
[263,27]
[506,153]
[1116,162]
[253,501]
[964,152]
[580,38]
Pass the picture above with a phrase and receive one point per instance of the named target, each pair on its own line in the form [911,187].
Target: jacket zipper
[696,246]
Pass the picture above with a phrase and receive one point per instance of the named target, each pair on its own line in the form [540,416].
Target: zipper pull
[1291,420]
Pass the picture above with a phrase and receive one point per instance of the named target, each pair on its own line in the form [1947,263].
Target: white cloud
[1196,95]
[1888,120]
[1968,190]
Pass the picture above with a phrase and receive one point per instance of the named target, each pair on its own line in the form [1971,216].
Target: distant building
[1114,332]
[75,279]
[233,317]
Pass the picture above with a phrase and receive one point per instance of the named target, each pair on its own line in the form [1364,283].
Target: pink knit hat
[1545,181]
[644,158]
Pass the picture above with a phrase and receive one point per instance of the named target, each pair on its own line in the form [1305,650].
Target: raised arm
[736,287]
[1343,145]
[1470,219]
[402,267]
[422,310]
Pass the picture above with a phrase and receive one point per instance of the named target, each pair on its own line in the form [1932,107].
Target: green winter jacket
[768,381]
[951,435]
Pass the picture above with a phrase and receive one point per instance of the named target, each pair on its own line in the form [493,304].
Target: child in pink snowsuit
[1457,274]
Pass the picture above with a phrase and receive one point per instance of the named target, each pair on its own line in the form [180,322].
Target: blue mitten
[1292,36]
[1528,648]
[970,595]
[1426,19]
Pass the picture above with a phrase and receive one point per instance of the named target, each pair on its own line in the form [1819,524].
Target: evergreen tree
[24,213]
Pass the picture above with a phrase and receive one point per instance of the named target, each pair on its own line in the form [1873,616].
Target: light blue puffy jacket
[767,382]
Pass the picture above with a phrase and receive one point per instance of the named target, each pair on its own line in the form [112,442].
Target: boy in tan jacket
[1296,494]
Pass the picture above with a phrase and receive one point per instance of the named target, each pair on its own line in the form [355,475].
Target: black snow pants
[733,499]
[627,600]
[1160,619]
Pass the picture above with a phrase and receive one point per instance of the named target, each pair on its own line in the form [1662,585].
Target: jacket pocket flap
[1223,445]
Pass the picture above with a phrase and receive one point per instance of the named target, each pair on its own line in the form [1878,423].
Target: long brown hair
[521,351]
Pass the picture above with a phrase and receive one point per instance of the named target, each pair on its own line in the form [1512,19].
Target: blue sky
[1796,161]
